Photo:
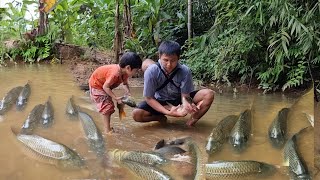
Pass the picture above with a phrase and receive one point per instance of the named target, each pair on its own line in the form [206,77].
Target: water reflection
[55,81]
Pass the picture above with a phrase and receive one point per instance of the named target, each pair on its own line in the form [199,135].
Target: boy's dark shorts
[145,106]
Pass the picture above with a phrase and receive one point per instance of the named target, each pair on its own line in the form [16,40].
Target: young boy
[170,81]
[108,77]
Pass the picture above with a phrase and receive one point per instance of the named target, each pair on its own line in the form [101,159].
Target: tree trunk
[189,20]
[41,30]
[116,43]
[127,19]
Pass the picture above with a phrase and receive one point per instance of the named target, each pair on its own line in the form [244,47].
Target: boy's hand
[119,101]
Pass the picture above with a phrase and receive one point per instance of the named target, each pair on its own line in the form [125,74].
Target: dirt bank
[82,61]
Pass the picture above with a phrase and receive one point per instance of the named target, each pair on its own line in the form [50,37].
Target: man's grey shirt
[154,78]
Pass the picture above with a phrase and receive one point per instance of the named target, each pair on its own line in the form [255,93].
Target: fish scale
[237,169]
[23,97]
[220,134]
[9,99]
[145,171]
[292,159]
[137,156]
[93,134]
[278,128]
[51,152]
[240,133]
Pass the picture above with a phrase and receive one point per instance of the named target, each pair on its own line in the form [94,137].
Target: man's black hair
[132,59]
[170,48]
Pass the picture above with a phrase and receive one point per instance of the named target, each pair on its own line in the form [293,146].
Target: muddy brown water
[56,81]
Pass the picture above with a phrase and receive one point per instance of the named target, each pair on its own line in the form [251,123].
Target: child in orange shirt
[108,77]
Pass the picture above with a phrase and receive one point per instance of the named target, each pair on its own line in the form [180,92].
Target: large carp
[32,120]
[145,171]
[71,109]
[47,114]
[23,97]
[297,168]
[92,133]
[51,152]
[238,169]
[220,134]
[278,128]
[149,158]
[240,133]
[9,99]
[197,160]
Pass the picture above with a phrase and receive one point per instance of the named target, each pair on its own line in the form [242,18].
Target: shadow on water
[56,82]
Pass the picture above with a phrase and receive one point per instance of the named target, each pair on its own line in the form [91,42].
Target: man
[166,86]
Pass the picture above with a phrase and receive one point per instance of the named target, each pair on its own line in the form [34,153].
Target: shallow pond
[55,81]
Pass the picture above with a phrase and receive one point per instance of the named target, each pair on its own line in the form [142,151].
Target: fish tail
[122,114]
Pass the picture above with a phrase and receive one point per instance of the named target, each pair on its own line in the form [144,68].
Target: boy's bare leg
[140,115]
[106,122]
[205,95]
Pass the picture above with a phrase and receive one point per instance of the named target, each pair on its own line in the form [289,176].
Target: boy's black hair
[170,48]
[132,59]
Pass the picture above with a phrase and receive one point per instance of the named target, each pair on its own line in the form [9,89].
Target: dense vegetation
[273,43]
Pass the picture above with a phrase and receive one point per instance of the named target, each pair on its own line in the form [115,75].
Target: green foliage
[269,40]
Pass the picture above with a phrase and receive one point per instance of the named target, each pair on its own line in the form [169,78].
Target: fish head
[212,145]
[238,141]
[128,100]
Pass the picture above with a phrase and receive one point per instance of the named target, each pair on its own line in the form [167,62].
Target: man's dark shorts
[145,106]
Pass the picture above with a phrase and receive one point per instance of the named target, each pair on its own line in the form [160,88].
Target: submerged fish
[220,134]
[240,133]
[238,169]
[51,152]
[122,113]
[296,166]
[149,158]
[9,99]
[23,97]
[32,120]
[71,109]
[47,115]
[145,171]
[128,100]
[93,134]
[278,128]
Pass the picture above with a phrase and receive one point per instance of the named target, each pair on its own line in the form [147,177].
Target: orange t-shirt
[107,74]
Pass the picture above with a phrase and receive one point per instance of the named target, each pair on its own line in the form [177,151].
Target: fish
[23,97]
[93,134]
[71,109]
[278,129]
[220,134]
[32,120]
[145,171]
[47,115]
[150,158]
[51,152]
[238,169]
[240,133]
[128,100]
[122,113]
[196,158]
[170,150]
[292,159]
[9,99]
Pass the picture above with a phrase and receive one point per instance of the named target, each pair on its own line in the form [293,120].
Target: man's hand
[175,111]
